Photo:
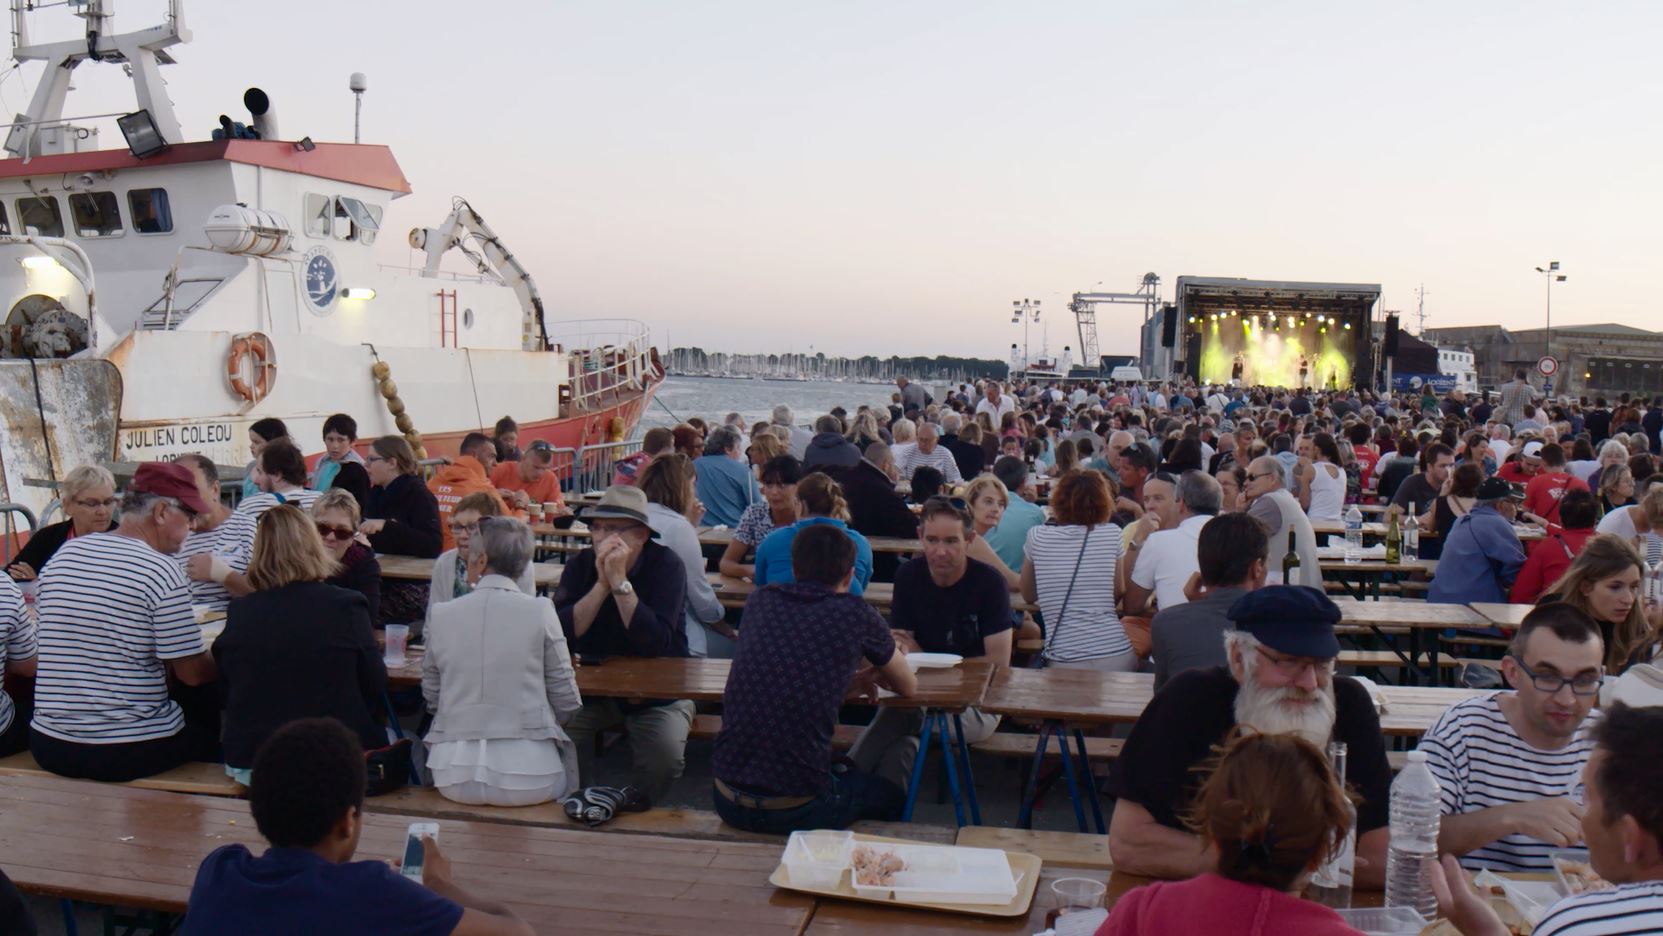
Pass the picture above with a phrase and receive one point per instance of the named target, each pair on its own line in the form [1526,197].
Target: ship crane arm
[464,226]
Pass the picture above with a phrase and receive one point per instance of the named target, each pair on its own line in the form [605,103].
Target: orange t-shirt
[455,481]
[506,477]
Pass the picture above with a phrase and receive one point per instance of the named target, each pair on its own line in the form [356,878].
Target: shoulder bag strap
[1051,632]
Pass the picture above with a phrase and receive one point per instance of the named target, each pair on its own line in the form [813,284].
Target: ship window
[41,213]
[353,221]
[96,214]
[320,215]
[5,222]
[151,212]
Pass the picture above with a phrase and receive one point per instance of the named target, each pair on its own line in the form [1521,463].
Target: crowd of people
[1169,528]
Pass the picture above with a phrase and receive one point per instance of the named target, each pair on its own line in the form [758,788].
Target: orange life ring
[257,348]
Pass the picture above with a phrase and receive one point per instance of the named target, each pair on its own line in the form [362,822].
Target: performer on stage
[1236,370]
[1304,372]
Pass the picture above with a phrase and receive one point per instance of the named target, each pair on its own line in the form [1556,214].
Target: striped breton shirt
[17,641]
[938,458]
[260,503]
[232,541]
[1627,909]
[1480,762]
[111,610]
[1082,624]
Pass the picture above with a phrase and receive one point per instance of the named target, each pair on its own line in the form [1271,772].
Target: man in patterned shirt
[804,642]
[929,453]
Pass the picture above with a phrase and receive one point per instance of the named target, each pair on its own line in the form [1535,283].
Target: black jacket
[361,572]
[44,543]
[353,479]
[412,516]
[301,651]
[831,453]
[875,509]
[968,455]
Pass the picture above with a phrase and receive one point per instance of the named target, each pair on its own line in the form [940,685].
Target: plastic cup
[1073,893]
[536,511]
[397,636]
[551,507]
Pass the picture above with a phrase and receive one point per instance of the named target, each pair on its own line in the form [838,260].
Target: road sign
[1548,366]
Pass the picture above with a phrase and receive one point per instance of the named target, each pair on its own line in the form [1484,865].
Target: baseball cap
[169,479]
[1291,619]
[1533,450]
[1494,489]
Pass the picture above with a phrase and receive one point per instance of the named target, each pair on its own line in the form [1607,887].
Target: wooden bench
[202,779]
[1017,745]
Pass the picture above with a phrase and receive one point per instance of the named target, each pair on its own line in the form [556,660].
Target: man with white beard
[1280,679]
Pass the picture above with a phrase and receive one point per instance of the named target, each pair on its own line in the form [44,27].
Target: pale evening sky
[886,177]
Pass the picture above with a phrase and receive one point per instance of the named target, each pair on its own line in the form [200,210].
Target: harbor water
[715,397]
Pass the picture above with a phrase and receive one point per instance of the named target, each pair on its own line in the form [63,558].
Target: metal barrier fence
[593,465]
[11,530]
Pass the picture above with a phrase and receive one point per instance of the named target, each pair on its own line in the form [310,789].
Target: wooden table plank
[141,848]
[1092,697]
[1406,613]
[733,592]
[1497,614]
[703,680]
[413,569]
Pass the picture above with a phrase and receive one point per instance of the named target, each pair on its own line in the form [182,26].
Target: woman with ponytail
[819,501]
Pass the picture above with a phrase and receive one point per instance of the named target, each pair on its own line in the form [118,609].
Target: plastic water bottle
[1353,535]
[1414,838]
[1331,884]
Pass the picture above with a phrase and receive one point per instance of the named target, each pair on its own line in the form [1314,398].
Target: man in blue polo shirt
[308,800]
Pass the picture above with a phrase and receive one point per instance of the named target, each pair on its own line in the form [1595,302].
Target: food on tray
[875,868]
[1580,877]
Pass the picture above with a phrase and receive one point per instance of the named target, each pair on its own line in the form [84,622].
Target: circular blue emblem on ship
[318,270]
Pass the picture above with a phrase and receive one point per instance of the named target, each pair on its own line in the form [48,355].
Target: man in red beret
[115,619]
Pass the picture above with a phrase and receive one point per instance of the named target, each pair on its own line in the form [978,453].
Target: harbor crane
[1084,306]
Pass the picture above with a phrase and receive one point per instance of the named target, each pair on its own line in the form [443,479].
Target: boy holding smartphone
[307,798]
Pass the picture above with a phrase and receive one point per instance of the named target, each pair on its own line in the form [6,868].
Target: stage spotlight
[1290,321]
[1347,326]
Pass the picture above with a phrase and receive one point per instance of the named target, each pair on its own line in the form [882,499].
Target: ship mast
[144,52]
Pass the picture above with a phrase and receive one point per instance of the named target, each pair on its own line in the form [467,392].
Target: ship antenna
[359,84]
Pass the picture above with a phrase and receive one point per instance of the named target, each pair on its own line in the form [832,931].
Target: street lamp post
[1025,311]
[1550,274]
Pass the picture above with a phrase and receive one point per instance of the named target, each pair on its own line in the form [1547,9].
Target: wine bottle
[1290,560]
[1394,541]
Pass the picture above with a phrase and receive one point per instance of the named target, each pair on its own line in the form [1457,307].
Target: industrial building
[1606,359]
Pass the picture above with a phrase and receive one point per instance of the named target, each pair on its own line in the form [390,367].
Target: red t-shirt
[1513,472]
[1541,495]
[1367,458]
[1548,559]
[1213,904]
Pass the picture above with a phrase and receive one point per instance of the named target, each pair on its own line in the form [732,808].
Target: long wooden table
[1415,616]
[1091,697]
[733,592]
[1496,614]
[140,848]
[412,569]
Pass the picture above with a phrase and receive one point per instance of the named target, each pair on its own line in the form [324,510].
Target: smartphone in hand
[414,854]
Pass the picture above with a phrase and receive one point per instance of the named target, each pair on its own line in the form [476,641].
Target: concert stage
[1272,333]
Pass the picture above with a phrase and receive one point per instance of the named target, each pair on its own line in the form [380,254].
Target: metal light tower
[1025,311]
[1551,275]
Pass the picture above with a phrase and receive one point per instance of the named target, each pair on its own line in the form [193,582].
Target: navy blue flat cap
[1291,619]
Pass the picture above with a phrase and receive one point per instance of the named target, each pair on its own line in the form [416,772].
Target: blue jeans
[852,795]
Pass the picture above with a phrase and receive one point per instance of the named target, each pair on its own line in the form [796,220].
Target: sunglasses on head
[330,531]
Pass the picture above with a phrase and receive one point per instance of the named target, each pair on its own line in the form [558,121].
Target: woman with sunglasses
[336,515]
[450,570]
[88,495]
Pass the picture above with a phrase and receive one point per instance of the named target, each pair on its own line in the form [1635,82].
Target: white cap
[1533,450]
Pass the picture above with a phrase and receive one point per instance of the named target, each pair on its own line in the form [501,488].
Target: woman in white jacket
[672,508]
[498,677]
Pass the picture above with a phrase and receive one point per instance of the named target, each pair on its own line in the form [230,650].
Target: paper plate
[920,661]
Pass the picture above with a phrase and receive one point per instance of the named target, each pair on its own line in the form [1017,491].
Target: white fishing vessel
[161,296]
